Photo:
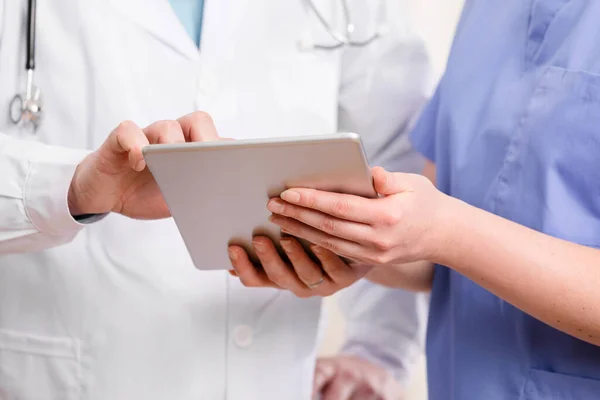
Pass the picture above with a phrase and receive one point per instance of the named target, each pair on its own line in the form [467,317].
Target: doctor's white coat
[115,309]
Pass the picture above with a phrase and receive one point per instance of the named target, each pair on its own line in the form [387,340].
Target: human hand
[114,178]
[344,377]
[302,276]
[411,222]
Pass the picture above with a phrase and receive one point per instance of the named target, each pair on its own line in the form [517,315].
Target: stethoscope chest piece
[26,109]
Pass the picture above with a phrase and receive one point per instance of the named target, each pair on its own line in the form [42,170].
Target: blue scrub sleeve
[423,135]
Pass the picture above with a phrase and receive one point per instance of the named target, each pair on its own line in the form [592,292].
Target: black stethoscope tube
[26,108]
[31,14]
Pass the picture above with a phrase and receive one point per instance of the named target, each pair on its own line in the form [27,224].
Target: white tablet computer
[217,192]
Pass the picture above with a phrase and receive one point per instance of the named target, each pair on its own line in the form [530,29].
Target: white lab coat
[115,309]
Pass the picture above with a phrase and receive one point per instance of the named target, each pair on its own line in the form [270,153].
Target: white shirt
[115,309]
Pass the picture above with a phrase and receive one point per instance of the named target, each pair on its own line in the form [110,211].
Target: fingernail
[275,206]
[258,246]
[232,255]
[291,196]
[287,245]
[139,166]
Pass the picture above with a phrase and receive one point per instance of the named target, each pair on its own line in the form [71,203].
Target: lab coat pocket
[36,367]
[544,385]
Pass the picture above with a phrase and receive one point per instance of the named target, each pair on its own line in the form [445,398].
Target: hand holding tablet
[217,192]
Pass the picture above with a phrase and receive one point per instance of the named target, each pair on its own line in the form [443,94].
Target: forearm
[415,277]
[553,280]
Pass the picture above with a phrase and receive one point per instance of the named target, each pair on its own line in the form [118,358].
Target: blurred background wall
[436,21]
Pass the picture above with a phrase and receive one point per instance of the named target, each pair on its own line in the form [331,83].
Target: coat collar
[158,19]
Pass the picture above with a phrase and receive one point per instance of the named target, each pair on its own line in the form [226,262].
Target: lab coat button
[243,336]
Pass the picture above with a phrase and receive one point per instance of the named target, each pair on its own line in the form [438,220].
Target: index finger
[198,127]
[324,372]
[343,206]
[129,138]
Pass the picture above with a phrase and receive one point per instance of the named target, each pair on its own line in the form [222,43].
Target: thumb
[388,183]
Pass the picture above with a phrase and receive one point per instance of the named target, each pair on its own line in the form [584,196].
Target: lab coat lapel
[158,19]
[221,25]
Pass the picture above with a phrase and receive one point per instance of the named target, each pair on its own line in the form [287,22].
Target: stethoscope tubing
[28,107]
[342,38]
[31,32]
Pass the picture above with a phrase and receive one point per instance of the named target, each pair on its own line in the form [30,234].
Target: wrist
[451,230]
[73,196]
[83,198]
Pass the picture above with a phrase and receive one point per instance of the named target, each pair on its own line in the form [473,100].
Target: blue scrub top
[514,128]
[190,13]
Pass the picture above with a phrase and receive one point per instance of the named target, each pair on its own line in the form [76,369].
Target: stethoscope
[344,38]
[26,108]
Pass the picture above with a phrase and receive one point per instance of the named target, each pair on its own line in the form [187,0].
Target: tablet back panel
[218,191]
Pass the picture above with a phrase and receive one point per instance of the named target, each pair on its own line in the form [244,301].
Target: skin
[412,221]
[345,377]
[553,280]
[298,275]
[114,178]
[302,271]
[416,276]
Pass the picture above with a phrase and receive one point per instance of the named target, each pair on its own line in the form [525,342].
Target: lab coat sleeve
[34,183]
[385,326]
[384,87]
